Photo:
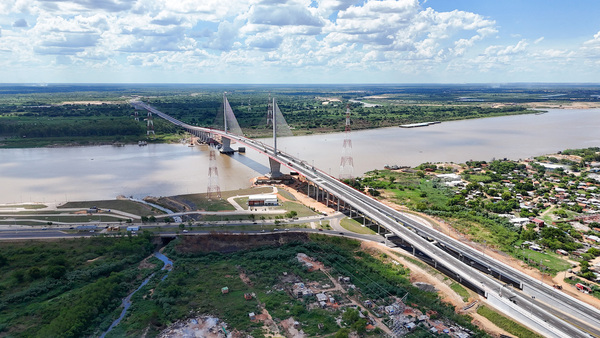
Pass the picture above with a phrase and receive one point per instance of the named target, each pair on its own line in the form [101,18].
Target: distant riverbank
[360,122]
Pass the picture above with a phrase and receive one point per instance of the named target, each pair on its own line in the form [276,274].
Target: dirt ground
[309,202]
[205,327]
[569,105]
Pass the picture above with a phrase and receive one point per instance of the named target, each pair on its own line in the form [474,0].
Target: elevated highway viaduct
[537,305]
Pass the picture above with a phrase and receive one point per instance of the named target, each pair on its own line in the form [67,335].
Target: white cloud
[288,14]
[393,39]
[506,50]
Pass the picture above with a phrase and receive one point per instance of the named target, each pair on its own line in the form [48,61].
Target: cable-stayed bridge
[535,304]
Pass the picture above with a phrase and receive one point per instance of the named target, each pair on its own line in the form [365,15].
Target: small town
[552,202]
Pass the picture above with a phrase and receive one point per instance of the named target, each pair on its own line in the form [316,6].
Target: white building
[264,199]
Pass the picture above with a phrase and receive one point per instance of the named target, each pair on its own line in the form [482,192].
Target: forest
[100,114]
[67,288]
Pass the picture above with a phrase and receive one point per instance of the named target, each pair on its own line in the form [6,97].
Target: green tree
[18,275]
[342,333]
[34,273]
[529,235]
[350,316]
[360,326]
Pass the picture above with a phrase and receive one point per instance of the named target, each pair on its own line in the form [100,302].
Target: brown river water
[104,172]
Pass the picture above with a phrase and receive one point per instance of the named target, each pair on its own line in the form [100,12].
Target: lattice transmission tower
[213,191]
[150,124]
[347,163]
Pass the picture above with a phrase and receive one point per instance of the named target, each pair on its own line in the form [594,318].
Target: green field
[460,290]
[355,226]
[128,206]
[24,206]
[242,202]
[301,209]
[506,323]
[550,262]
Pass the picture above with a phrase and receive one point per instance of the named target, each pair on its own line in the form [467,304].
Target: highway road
[558,315]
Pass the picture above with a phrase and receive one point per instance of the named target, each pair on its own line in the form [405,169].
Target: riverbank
[378,117]
[398,116]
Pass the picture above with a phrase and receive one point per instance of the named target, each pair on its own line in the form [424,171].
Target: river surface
[104,172]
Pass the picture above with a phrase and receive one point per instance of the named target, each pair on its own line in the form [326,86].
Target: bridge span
[537,305]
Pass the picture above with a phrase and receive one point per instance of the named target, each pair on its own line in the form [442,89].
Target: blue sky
[299,41]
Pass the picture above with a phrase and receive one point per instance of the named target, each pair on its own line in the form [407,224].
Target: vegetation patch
[300,209]
[506,324]
[128,206]
[61,288]
[460,290]
[355,226]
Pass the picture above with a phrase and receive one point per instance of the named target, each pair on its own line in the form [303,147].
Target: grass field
[460,290]
[285,194]
[242,202]
[506,324]
[301,209]
[356,227]
[552,262]
[249,191]
[24,206]
[128,206]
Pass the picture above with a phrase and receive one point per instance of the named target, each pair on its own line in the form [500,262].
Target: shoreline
[532,108]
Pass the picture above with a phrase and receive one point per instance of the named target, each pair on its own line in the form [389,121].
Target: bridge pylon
[228,115]
[272,117]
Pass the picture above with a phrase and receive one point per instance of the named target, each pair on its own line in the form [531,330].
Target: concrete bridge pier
[203,137]
[276,169]
[226,146]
